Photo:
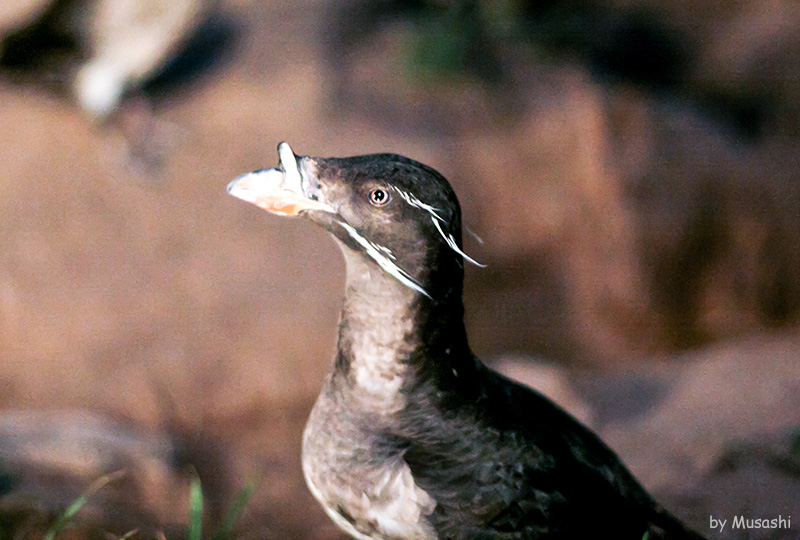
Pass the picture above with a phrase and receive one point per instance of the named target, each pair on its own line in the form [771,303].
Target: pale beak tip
[231,185]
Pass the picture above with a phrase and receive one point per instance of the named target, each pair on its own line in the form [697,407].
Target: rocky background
[631,168]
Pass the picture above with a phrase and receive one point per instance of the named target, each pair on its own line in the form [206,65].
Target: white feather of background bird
[129,40]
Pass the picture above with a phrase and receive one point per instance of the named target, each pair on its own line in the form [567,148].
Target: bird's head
[390,210]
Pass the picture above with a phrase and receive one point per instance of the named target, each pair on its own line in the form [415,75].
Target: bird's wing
[514,465]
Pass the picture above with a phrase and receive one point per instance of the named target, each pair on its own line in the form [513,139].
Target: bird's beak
[278,190]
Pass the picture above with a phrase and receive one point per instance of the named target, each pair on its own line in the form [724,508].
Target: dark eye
[379,197]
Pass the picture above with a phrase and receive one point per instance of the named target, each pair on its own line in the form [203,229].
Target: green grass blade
[77,504]
[224,530]
[195,510]
[65,516]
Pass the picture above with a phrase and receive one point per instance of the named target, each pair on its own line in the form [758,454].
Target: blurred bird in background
[99,52]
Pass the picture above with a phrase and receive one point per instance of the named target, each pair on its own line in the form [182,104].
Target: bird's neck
[388,335]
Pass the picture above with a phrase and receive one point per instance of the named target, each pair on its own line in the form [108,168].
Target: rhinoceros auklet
[412,437]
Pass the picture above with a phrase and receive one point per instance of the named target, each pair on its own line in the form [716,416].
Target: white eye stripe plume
[386,250]
[474,235]
[381,256]
[454,246]
[416,203]
[436,218]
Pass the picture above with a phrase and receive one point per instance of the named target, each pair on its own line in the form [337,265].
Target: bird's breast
[362,482]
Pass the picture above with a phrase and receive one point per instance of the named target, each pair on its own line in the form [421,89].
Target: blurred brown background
[632,169]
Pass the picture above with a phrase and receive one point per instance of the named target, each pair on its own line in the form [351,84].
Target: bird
[112,58]
[412,437]
[99,49]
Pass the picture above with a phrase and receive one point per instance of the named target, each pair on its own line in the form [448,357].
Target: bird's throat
[387,333]
[376,337]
